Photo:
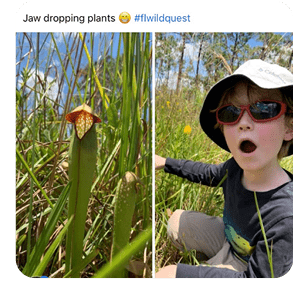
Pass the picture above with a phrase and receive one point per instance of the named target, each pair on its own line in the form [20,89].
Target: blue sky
[50,60]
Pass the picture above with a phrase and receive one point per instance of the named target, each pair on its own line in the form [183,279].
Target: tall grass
[173,113]
[56,73]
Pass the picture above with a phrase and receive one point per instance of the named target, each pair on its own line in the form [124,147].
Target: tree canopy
[197,60]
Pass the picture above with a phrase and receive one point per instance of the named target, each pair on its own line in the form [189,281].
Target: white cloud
[51,85]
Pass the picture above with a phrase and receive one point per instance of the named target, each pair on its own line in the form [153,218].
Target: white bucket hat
[263,74]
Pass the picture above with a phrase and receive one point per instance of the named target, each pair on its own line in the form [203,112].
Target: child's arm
[159,162]
[198,172]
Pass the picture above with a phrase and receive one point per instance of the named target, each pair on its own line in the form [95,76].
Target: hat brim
[208,117]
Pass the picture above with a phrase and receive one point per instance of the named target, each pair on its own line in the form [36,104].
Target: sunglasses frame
[247,108]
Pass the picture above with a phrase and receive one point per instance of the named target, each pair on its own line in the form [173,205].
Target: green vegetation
[111,73]
[179,98]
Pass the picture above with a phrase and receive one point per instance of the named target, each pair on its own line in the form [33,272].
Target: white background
[208,15]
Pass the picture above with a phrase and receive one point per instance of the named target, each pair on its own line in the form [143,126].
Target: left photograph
[84,155]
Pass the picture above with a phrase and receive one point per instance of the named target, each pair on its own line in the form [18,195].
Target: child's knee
[173,227]
[173,223]
[167,272]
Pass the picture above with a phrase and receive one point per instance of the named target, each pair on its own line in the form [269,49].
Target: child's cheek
[270,135]
[231,135]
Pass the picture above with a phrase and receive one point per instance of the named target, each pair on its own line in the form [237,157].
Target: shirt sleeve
[197,172]
[281,238]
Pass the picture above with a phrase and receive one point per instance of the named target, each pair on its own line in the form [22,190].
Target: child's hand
[159,162]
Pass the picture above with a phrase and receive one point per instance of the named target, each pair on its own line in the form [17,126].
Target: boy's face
[255,145]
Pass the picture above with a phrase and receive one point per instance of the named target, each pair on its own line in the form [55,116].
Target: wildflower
[187,130]
[168,103]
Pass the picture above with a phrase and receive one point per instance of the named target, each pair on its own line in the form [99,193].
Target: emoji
[124,18]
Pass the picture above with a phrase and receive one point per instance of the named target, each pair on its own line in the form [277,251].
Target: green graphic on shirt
[240,245]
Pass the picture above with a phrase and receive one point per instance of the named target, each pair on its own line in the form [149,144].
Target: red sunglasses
[260,111]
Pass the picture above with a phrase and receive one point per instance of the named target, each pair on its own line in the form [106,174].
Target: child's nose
[245,123]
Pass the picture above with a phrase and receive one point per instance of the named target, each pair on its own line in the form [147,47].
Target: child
[249,114]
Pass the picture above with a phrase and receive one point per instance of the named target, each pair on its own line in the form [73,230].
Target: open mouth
[247,146]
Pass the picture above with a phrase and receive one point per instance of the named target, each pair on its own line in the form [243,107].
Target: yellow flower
[187,130]
[168,103]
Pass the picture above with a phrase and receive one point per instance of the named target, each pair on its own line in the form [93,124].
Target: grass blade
[33,177]
[85,261]
[269,253]
[121,259]
[104,96]
[43,264]
[43,240]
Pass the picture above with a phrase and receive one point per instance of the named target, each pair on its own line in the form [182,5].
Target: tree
[181,62]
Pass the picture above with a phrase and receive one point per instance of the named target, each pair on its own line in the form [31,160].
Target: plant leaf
[47,232]
[43,264]
[122,258]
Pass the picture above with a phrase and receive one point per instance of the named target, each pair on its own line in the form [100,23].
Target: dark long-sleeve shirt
[242,228]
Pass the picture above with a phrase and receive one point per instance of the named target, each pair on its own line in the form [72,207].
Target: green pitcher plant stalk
[123,213]
[82,164]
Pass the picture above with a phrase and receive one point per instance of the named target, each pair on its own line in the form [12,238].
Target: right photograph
[223,155]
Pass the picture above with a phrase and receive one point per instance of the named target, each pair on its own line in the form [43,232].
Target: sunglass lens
[229,114]
[265,110]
